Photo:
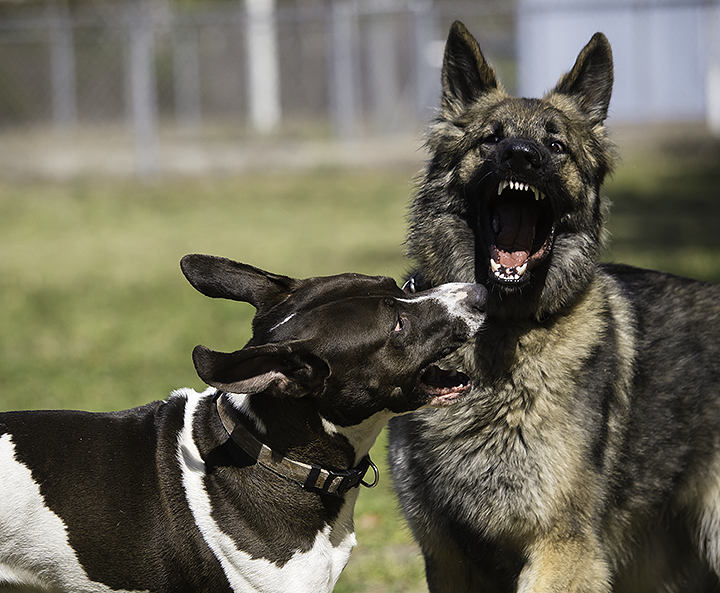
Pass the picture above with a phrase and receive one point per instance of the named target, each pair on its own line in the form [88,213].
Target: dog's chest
[314,570]
[530,444]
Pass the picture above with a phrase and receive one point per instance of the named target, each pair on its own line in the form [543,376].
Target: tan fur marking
[564,562]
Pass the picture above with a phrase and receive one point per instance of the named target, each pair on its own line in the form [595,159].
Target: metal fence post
[143,93]
[712,81]
[383,83]
[263,69]
[427,69]
[186,69]
[342,68]
[62,72]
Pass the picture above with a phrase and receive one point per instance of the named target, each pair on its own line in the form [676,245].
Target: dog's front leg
[449,570]
[565,563]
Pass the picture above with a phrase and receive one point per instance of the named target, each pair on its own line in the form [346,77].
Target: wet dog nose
[476,299]
[521,155]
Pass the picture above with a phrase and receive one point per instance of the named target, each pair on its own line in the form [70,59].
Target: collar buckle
[340,481]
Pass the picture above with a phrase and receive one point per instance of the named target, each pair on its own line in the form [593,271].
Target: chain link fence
[343,69]
[337,69]
[375,63]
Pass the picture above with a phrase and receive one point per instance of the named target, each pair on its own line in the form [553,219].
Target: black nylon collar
[310,477]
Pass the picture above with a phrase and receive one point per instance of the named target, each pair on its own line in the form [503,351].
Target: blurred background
[149,86]
[287,134]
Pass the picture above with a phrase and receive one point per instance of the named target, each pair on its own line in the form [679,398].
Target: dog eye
[492,139]
[557,147]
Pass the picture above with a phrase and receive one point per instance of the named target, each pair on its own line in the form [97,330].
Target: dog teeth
[519,186]
[503,273]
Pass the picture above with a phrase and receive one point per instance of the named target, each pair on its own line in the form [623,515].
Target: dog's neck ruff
[310,477]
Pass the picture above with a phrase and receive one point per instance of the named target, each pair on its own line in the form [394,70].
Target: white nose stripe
[451,297]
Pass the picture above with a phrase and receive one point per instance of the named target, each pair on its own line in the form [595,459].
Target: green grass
[93,308]
[95,314]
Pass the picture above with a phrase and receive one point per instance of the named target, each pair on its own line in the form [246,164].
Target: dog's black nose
[521,155]
[476,299]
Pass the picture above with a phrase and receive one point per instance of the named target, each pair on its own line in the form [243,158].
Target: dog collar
[310,477]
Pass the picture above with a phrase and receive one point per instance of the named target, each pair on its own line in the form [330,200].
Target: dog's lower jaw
[444,387]
[542,291]
[515,274]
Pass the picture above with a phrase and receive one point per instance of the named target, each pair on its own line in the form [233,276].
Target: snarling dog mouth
[522,229]
[443,387]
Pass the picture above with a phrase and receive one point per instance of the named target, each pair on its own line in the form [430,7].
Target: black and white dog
[249,486]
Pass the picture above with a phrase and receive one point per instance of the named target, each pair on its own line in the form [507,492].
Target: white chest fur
[314,571]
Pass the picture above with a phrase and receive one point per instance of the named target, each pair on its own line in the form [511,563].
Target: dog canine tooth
[521,269]
[520,186]
[494,265]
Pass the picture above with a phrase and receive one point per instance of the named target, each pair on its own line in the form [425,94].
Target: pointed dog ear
[281,370]
[466,75]
[590,81]
[218,277]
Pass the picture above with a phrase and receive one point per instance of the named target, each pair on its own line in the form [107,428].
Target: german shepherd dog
[587,458]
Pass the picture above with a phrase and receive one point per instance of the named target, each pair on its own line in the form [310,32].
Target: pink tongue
[515,238]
